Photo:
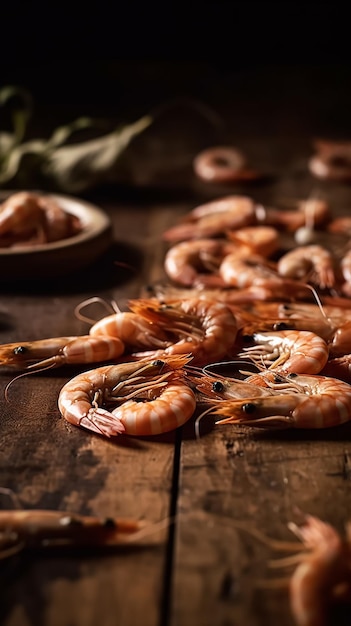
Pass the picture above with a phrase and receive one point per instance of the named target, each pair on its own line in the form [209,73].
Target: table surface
[205,567]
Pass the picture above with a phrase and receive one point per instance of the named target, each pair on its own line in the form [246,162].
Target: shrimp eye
[20,350]
[281,326]
[218,386]
[247,338]
[249,407]
[158,363]
[292,375]
[109,523]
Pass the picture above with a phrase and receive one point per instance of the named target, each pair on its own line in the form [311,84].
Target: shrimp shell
[289,351]
[315,402]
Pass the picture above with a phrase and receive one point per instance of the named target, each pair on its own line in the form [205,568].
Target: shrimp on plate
[58,351]
[214,219]
[204,328]
[152,393]
[288,351]
[315,402]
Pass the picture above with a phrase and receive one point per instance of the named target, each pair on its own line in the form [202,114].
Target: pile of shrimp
[241,287]
[32,219]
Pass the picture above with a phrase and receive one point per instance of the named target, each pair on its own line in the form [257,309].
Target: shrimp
[21,529]
[83,399]
[312,262]
[190,262]
[255,271]
[57,351]
[288,351]
[222,164]
[310,211]
[261,240]
[345,267]
[222,388]
[57,223]
[205,328]
[230,296]
[132,330]
[20,214]
[213,219]
[332,160]
[324,573]
[314,402]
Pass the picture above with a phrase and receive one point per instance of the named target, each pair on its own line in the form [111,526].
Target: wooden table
[203,568]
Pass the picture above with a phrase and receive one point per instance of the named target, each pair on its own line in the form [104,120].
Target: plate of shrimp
[44,235]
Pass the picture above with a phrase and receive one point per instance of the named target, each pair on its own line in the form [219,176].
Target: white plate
[64,256]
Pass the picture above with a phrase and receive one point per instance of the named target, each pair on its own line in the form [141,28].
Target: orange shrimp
[204,328]
[312,211]
[222,164]
[19,213]
[332,160]
[135,332]
[214,219]
[309,263]
[288,351]
[261,240]
[324,573]
[314,402]
[256,271]
[57,351]
[189,263]
[83,399]
[36,528]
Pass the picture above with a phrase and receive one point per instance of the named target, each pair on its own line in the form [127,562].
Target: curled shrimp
[323,575]
[190,263]
[135,332]
[57,351]
[204,328]
[36,529]
[259,239]
[314,402]
[332,160]
[168,401]
[214,219]
[257,272]
[288,351]
[222,164]
[309,263]
[309,212]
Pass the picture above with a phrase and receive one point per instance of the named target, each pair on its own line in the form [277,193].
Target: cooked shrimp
[260,240]
[307,212]
[189,263]
[332,160]
[213,219]
[20,213]
[21,529]
[204,328]
[309,263]
[57,351]
[222,164]
[224,388]
[83,399]
[57,223]
[338,367]
[256,271]
[228,295]
[324,574]
[135,332]
[315,402]
[288,351]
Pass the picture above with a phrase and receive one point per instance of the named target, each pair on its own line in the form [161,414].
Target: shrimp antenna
[22,375]
[198,419]
[111,307]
